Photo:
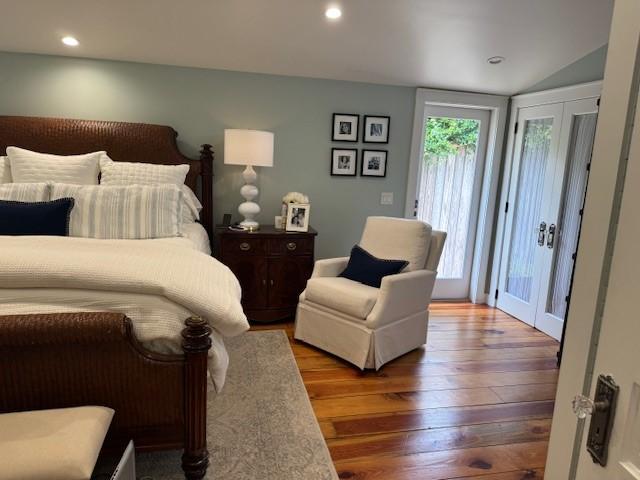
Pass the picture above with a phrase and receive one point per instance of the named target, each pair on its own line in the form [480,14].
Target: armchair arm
[329,267]
[402,295]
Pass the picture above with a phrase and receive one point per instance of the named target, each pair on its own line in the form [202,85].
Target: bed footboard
[74,359]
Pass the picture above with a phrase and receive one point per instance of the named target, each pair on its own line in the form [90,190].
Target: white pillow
[131,173]
[123,212]
[24,192]
[5,170]
[33,167]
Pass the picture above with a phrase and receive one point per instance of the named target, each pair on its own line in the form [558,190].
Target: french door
[552,148]
[449,181]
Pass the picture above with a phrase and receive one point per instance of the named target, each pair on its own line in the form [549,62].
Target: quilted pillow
[24,192]
[33,167]
[37,218]
[5,170]
[365,268]
[131,173]
[123,212]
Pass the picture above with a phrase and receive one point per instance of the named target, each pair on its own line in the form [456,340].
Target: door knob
[602,410]
[583,406]
[541,233]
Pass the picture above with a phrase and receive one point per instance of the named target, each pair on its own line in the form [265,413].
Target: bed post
[196,344]
[206,173]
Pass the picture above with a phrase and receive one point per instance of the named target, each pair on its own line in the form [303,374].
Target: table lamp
[253,148]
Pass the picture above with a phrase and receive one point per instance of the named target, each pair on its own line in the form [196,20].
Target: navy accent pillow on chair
[365,268]
[36,218]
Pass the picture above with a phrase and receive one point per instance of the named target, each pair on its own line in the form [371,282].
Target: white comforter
[138,277]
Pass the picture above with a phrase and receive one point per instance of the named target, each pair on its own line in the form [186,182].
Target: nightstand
[273,267]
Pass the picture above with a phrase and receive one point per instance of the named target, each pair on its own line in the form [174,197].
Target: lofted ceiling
[434,43]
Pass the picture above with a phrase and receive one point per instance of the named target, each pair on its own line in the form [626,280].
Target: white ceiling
[434,43]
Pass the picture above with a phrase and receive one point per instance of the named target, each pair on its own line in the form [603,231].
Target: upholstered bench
[60,444]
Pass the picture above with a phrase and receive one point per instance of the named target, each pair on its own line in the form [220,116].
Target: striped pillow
[24,192]
[123,212]
[129,173]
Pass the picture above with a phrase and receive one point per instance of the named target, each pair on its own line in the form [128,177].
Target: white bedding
[197,235]
[157,283]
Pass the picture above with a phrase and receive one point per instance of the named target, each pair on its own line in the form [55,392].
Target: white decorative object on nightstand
[253,148]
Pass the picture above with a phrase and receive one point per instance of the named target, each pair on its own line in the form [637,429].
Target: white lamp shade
[248,147]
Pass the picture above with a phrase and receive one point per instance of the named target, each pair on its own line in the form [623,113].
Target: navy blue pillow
[365,268]
[37,218]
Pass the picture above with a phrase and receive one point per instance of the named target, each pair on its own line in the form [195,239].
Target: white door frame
[557,95]
[608,166]
[497,106]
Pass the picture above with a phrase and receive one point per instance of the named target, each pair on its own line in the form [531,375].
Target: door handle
[551,236]
[602,410]
[541,233]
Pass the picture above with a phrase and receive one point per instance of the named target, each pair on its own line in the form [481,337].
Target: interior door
[530,192]
[448,189]
[564,214]
[617,349]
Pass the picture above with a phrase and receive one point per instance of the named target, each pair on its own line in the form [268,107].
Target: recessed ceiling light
[70,41]
[333,13]
[496,60]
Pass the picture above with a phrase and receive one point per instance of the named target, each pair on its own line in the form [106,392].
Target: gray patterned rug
[262,424]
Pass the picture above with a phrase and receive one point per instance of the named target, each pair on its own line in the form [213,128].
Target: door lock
[551,236]
[541,233]
[602,410]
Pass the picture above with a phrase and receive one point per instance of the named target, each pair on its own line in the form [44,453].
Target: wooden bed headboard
[123,142]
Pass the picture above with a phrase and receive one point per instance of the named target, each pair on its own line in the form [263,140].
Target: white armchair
[370,326]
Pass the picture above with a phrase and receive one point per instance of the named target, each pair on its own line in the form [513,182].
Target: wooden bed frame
[73,359]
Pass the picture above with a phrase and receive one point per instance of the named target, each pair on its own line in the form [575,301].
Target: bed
[69,358]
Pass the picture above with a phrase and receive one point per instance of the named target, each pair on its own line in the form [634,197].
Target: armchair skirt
[348,337]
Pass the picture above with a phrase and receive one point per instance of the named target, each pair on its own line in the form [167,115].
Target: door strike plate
[602,419]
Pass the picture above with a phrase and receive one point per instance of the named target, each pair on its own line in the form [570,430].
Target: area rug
[262,426]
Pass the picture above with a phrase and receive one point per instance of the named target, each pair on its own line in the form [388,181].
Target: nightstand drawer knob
[291,246]
[244,246]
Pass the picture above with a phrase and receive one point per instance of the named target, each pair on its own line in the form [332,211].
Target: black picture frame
[367,138]
[352,137]
[332,165]
[364,161]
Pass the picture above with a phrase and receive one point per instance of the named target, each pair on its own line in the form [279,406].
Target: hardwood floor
[474,404]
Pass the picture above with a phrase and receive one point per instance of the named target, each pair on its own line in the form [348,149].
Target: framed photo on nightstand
[298,217]
[374,163]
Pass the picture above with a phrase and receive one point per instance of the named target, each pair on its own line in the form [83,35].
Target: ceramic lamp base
[249,209]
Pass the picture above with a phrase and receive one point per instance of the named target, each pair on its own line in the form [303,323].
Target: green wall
[201,103]
[587,69]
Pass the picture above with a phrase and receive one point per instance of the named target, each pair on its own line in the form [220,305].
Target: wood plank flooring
[474,404]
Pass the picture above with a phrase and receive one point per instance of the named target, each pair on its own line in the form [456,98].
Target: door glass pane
[445,189]
[526,217]
[580,147]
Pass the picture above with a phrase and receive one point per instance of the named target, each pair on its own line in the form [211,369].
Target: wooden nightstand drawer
[243,245]
[291,246]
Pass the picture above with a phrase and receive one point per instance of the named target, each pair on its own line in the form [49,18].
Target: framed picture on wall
[374,163]
[298,217]
[376,129]
[345,127]
[344,162]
